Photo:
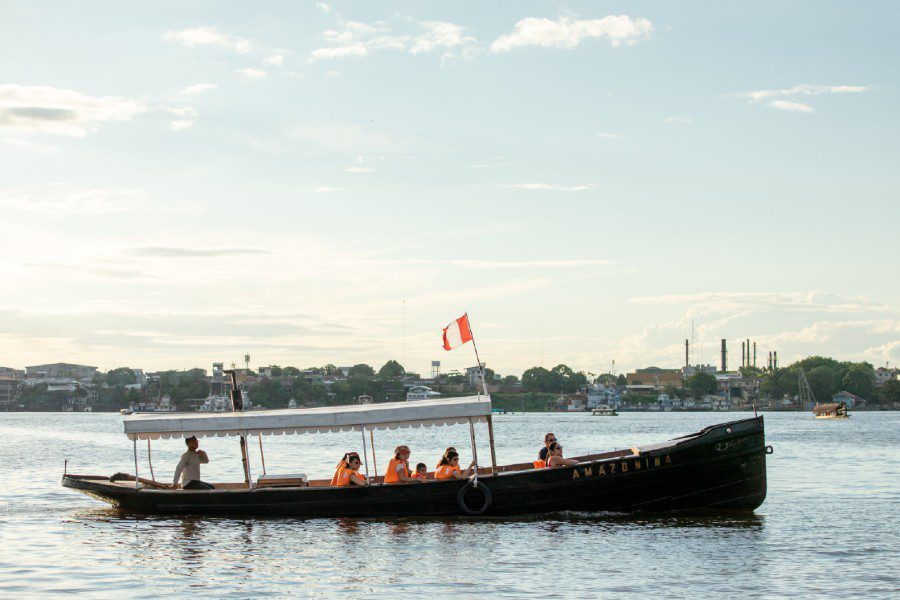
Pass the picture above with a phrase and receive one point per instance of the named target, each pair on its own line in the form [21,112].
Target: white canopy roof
[387,415]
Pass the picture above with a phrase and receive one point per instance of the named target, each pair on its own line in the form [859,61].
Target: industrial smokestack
[724,356]
[687,360]
[748,353]
[743,355]
[775,360]
[769,365]
[754,355]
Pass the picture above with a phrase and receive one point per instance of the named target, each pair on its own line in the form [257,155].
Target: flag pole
[480,366]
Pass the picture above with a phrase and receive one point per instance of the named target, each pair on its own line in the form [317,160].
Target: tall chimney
[770,360]
[724,356]
[748,352]
[687,360]
[754,355]
[743,355]
[775,360]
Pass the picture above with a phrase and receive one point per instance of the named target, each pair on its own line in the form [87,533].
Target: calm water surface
[829,527]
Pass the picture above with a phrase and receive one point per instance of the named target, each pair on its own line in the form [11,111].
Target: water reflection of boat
[722,467]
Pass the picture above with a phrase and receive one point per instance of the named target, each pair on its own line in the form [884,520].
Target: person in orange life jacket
[555,457]
[541,462]
[443,459]
[349,474]
[421,471]
[398,467]
[448,467]
[337,470]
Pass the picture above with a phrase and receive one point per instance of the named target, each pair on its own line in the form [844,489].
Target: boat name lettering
[728,445]
[624,466]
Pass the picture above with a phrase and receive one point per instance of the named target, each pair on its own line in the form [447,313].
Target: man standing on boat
[188,468]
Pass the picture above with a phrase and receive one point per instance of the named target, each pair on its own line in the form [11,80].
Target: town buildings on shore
[83,388]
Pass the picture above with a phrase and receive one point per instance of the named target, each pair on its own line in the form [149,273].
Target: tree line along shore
[538,389]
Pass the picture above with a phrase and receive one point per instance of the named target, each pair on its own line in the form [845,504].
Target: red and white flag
[457,333]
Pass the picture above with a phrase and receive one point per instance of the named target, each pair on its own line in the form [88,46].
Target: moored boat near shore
[722,467]
[834,410]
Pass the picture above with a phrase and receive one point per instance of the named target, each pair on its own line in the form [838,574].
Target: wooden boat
[835,410]
[604,411]
[722,467]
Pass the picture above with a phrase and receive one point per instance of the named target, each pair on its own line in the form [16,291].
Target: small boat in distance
[836,410]
[604,411]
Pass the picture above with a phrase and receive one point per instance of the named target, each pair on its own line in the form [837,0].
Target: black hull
[721,468]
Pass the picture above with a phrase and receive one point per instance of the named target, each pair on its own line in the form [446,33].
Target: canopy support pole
[150,460]
[491,441]
[474,448]
[136,482]
[374,462]
[245,458]
[365,453]
[262,457]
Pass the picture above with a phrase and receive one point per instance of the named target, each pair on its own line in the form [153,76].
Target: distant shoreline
[544,412]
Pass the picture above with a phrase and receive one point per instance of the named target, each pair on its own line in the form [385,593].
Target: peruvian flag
[457,333]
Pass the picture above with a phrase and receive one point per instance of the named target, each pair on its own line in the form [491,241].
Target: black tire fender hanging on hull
[461,498]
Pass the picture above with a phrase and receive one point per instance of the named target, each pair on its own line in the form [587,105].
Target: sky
[310,183]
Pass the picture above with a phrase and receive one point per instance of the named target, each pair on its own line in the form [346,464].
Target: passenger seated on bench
[348,474]
[555,457]
[541,462]
[421,471]
[337,470]
[448,467]
[398,467]
[549,438]
[188,468]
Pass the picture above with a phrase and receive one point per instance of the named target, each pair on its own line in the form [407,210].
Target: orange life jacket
[540,464]
[344,477]
[391,475]
[338,474]
[418,475]
[445,471]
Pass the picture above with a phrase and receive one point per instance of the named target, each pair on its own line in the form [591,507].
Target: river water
[829,527]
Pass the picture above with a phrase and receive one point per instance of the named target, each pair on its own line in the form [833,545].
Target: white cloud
[356,39]
[252,73]
[507,264]
[198,88]
[35,147]
[357,49]
[182,111]
[789,106]
[58,200]
[679,120]
[553,187]
[440,35]
[816,300]
[567,33]
[360,170]
[609,136]
[207,36]
[323,189]
[325,8]
[276,60]
[180,124]
[776,98]
[331,74]
[42,109]
[804,89]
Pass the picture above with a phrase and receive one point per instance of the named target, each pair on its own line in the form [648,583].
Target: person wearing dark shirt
[548,439]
